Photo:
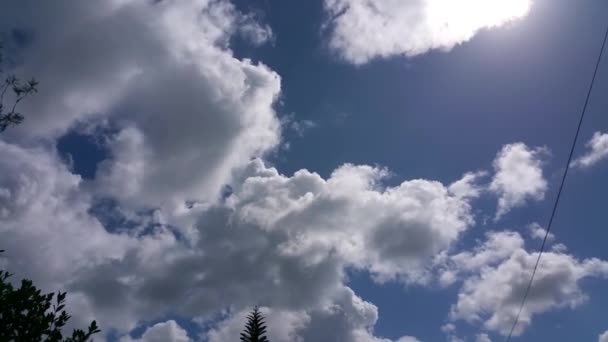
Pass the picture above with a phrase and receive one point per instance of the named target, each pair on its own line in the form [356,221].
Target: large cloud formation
[286,239]
[281,236]
[155,82]
[158,86]
[289,240]
[183,109]
[361,30]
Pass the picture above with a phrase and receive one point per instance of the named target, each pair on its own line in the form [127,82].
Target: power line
[561,187]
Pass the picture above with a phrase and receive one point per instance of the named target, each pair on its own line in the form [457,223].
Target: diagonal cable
[561,187]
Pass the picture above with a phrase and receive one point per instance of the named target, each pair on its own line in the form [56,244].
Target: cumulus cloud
[183,111]
[408,339]
[361,30]
[387,230]
[483,338]
[468,186]
[168,331]
[46,228]
[492,293]
[279,236]
[598,151]
[180,116]
[347,318]
[42,211]
[538,232]
[603,337]
[497,247]
[518,177]
[282,325]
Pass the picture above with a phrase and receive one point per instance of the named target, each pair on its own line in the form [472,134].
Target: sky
[365,171]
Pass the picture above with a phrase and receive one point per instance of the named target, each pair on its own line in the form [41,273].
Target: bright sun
[465,17]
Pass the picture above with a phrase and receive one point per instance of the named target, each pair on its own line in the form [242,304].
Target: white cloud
[282,325]
[361,30]
[254,32]
[278,235]
[347,318]
[184,117]
[408,339]
[538,232]
[182,113]
[184,110]
[46,228]
[598,146]
[42,211]
[483,338]
[168,331]
[492,294]
[299,127]
[449,329]
[497,247]
[467,186]
[518,177]
[388,231]
[282,235]
[603,337]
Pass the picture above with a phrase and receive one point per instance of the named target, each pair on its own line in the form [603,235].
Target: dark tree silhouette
[255,329]
[26,314]
[17,90]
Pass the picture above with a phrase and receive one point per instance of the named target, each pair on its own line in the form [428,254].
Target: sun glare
[465,17]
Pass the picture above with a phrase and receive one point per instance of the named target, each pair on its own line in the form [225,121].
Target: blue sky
[364,171]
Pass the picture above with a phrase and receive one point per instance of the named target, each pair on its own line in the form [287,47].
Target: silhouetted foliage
[19,90]
[26,314]
[255,329]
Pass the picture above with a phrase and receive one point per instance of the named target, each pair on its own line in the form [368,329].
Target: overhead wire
[561,187]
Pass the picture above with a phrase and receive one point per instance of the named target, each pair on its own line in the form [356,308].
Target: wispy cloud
[597,151]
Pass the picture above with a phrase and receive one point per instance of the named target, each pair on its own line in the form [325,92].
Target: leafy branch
[8,114]
[27,314]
